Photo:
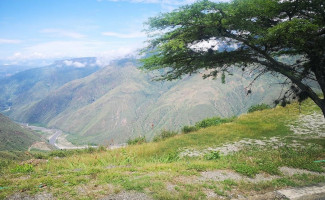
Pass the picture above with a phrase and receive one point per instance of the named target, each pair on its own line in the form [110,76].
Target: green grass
[156,168]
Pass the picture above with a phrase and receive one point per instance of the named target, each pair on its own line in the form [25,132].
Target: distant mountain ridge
[120,102]
[25,88]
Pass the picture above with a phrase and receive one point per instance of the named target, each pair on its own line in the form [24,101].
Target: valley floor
[56,138]
[268,154]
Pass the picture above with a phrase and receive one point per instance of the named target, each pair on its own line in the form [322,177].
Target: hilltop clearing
[264,159]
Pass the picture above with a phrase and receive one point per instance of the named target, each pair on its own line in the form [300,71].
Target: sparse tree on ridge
[253,34]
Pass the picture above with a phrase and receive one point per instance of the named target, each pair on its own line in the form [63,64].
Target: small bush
[4,164]
[245,169]
[214,121]
[138,140]
[90,149]
[170,157]
[25,168]
[164,134]
[258,107]
[213,155]
[188,129]
[40,156]
[101,148]
[59,153]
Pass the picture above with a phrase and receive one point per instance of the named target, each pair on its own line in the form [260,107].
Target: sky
[37,32]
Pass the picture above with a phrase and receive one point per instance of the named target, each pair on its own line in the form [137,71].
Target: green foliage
[40,156]
[170,157]
[213,155]
[59,153]
[101,148]
[164,134]
[188,129]
[137,140]
[214,121]
[250,34]
[25,168]
[254,108]
[90,149]
[245,169]
[4,164]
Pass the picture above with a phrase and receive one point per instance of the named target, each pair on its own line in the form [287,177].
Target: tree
[247,34]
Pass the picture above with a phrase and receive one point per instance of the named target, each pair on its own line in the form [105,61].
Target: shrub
[257,107]
[4,164]
[25,168]
[188,129]
[40,156]
[59,153]
[164,134]
[213,155]
[213,121]
[137,140]
[90,149]
[101,148]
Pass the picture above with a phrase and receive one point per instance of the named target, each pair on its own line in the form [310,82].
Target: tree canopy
[248,34]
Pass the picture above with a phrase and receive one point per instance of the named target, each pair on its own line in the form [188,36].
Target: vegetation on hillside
[165,170]
[13,137]
[258,107]
[214,121]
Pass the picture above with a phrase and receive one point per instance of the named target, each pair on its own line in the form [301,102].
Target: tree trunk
[322,107]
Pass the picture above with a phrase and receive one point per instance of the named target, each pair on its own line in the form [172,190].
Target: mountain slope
[119,102]
[15,137]
[23,89]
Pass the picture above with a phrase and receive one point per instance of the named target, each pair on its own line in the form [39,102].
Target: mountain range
[95,105]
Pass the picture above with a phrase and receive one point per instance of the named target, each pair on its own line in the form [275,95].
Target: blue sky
[39,31]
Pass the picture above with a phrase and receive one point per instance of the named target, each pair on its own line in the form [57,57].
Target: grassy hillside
[120,102]
[255,154]
[14,137]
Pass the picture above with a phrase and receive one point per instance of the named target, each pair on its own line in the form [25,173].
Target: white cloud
[73,49]
[125,35]
[9,41]
[166,5]
[215,44]
[167,2]
[171,2]
[64,33]
[74,64]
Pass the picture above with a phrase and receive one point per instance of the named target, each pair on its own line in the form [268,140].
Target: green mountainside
[120,102]
[14,137]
